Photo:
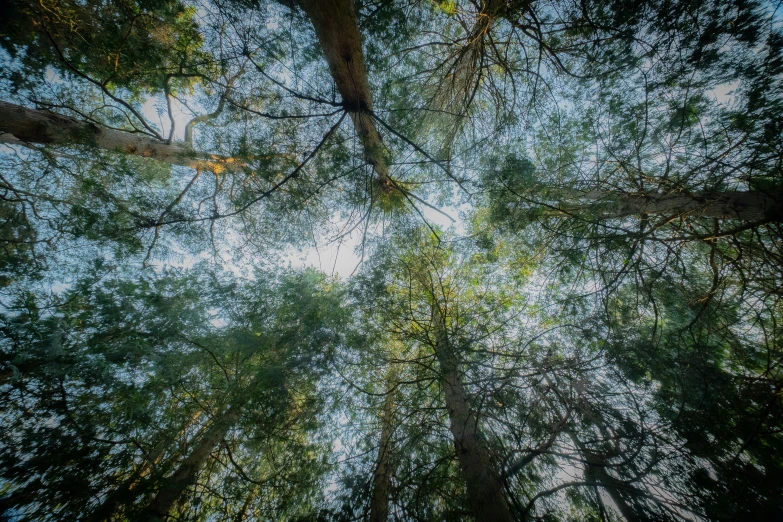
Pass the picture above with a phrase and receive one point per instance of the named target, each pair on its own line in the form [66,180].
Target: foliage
[597,337]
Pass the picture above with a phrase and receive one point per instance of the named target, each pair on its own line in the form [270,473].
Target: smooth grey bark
[185,475]
[483,481]
[596,472]
[21,125]
[337,28]
[122,494]
[382,478]
[752,205]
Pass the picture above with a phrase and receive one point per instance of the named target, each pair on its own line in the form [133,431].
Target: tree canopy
[559,231]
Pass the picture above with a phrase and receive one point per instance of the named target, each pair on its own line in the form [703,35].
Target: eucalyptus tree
[654,196]
[715,371]
[190,394]
[621,451]
[620,290]
[669,146]
[421,301]
[491,69]
[696,356]
[254,144]
[372,408]
[579,414]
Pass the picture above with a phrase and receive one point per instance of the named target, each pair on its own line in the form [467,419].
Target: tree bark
[483,481]
[185,474]
[749,206]
[336,26]
[595,471]
[20,125]
[382,478]
[124,494]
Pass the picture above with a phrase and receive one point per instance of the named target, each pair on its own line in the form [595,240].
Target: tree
[596,338]
[384,465]
[240,376]
[24,126]
[434,318]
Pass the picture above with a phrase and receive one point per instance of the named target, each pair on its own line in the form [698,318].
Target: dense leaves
[564,292]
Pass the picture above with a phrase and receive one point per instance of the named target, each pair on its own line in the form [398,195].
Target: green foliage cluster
[597,337]
[131,45]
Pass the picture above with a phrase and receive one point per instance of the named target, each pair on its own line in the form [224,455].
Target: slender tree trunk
[455,93]
[242,513]
[121,495]
[483,481]
[20,125]
[124,493]
[337,29]
[185,474]
[741,205]
[382,478]
[595,471]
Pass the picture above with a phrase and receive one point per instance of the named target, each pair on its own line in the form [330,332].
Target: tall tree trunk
[249,498]
[382,478]
[741,205]
[337,28]
[185,474]
[20,125]
[124,494]
[456,90]
[483,481]
[595,471]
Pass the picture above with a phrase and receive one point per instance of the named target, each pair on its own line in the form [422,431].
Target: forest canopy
[409,260]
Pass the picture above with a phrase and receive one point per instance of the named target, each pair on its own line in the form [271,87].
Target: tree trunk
[596,472]
[337,29]
[125,493]
[382,479]
[121,495]
[185,474]
[20,125]
[483,481]
[741,205]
